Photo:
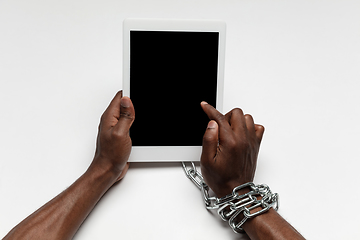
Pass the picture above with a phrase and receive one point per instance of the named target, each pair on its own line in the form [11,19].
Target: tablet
[170,66]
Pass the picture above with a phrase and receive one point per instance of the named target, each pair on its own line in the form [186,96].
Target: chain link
[231,206]
[197,179]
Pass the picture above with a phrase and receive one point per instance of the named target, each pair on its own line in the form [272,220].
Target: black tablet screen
[170,74]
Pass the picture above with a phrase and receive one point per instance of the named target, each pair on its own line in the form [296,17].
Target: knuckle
[238,110]
[247,143]
[248,116]
[209,138]
[117,135]
[127,115]
[220,117]
[232,144]
[260,127]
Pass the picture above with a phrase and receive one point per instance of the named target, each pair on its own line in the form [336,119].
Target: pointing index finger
[214,114]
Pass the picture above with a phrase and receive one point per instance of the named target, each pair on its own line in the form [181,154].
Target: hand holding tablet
[170,66]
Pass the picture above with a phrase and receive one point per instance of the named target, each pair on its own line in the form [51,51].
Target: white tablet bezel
[172,153]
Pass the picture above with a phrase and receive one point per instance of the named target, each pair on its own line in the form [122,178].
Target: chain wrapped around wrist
[232,205]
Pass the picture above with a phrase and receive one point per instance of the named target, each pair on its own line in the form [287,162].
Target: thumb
[127,116]
[210,142]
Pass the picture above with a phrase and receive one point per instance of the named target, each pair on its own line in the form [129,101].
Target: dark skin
[62,216]
[230,148]
[239,139]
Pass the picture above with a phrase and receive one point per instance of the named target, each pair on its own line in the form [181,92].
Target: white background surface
[294,65]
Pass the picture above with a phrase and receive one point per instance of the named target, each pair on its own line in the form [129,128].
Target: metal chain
[232,205]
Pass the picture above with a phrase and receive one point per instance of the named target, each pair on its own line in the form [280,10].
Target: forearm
[62,216]
[270,225]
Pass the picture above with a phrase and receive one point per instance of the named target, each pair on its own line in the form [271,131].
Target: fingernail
[203,103]
[212,124]
[125,102]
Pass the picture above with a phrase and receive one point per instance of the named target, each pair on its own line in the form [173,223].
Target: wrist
[100,168]
[226,190]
